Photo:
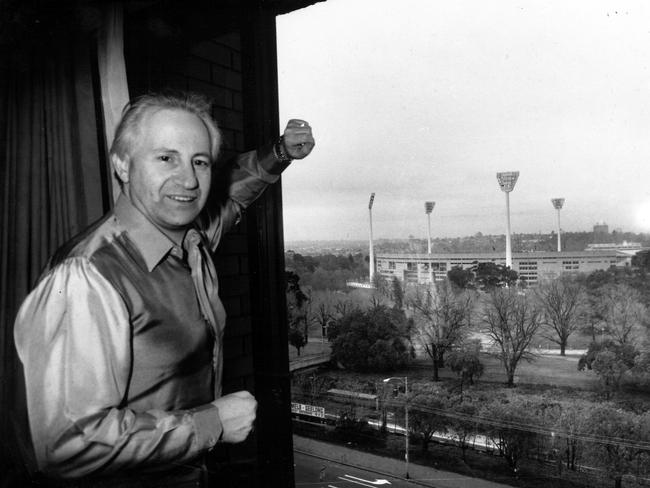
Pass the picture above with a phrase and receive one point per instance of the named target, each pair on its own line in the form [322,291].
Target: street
[312,471]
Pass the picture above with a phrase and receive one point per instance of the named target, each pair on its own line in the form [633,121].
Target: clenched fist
[237,412]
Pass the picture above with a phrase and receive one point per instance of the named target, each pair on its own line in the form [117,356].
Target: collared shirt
[118,358]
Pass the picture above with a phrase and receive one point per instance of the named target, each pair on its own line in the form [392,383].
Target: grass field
[545,369]
[548,368]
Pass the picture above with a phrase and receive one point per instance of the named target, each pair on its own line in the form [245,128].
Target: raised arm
[249,174]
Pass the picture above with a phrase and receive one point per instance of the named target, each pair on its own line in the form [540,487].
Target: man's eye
[164,158]
[201,162]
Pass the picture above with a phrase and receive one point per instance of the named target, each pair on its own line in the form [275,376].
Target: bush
[372,340]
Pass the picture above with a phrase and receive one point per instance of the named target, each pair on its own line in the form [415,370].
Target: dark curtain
[53,184]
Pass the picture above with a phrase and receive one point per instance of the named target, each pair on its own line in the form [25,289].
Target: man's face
[169,169]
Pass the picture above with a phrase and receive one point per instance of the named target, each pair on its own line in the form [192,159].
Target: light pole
[507,182]
[428,208]
[558,203]
[371,257]
[406,416]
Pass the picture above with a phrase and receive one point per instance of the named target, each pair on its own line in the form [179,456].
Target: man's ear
[121,167]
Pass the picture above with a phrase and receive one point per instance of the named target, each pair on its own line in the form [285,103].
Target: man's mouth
[182,198]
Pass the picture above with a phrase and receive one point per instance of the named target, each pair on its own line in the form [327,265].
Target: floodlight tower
[428,208]
[371,257]
[507,182]
[558,203]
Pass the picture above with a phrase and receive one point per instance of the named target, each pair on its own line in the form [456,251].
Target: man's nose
[187,176]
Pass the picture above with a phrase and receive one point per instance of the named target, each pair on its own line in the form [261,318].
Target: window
[471,102]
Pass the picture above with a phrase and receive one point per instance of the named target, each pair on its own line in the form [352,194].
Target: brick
[233,381]
[228,266]
[243,265]
[175,80]
[232,40]
[237,101]
[227,77]
[229,139]
[220,97]
[232,305]
[236,61]
[247,348]
[245,305]
[233,347]
[234,244]
[230,119]
[211,51]
[239,141]
[243,365]
[239,326]
[234,286]
[198,68]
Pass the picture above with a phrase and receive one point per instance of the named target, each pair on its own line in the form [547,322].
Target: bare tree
[322,310]
[343,307]
[624,314]
[511,320]
[562,302]
[441,319]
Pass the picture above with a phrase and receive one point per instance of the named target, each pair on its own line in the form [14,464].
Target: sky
[426,100]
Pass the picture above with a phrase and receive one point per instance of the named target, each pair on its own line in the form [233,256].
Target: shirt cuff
[207,426]
[269,163]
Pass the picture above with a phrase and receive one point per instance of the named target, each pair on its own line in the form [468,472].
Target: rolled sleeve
[207,426]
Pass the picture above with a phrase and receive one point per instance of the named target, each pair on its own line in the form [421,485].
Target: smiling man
[121,338]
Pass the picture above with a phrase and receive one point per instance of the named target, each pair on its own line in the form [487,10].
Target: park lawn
[545,369]
[312,348]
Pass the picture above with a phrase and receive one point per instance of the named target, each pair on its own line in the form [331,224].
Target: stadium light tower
[428,208]
[558,203]
[507,182]
[371,257]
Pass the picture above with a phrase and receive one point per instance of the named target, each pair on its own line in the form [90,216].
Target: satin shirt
[119,362]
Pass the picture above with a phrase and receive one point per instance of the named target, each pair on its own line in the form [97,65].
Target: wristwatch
[279,151]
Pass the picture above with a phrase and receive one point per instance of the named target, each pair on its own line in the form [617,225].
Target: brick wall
[214,68]
[237,67]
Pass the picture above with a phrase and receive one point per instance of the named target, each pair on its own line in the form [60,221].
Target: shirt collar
[150,241]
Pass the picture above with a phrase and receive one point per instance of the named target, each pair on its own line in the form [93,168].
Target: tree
[511,320]
[625,353]
[312,386]
[591,315]
[573,423]
[610,369]
[462,279]
[463,424]
[506,428]
[297,311]
[297,337]
[466,364]
[373,340]
[441,318]
[426,412]
[624,316]
[490,275]
[322,310]
[397,293]
[615,431]
[642,260]
[562,301]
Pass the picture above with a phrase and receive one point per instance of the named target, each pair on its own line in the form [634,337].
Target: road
[314,472]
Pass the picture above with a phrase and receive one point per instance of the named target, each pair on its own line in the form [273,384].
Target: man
[121,338]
